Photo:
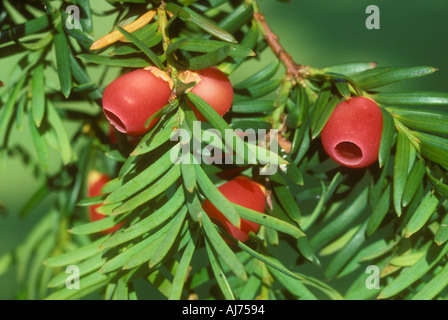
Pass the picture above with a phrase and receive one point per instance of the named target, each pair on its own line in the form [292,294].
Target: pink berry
[244,192]
[96,182]
[131,99]
[352,134]
[213,86]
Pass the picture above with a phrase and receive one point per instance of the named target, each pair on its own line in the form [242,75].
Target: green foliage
[391,214]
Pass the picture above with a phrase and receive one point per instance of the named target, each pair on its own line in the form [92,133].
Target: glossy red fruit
[244,192]
[96,182]
[213,86]
[131,99]
[352,134]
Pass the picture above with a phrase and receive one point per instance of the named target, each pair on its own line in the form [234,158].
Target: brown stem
[293,70]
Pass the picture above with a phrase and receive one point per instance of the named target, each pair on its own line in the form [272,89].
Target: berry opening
[348,152]
[115,121]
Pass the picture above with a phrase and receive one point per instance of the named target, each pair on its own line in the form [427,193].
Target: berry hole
[348,152]
[116,122]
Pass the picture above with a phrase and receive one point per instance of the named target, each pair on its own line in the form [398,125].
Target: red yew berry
[96,182]
[244,192]
[131,99]
[352,134]
[213,86]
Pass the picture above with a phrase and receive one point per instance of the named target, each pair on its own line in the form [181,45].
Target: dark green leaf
[310,281]
[202,22]
[379,212]
[298,114]
[38,94]
[414,180]
[422,119]
[320,104]
[358,289]
[86,17]
[343,88]
[401,166]
[291,170]
[441,235]
[182,270]
[63,60]
[154,139]
[257,91]
[212,193]
[379,77]
[81,76]
[222,248]
[39,196]
[237,18]
[97,226]
[344,255]
[262,75]
[76,255]
[305,249]
[170,238]
[220,276]
[147,34]
[387,138]
[85,267]
[317,127]
[140,181]
[412,98]
[154,220]
[424,211]
[91,201]
[39,144]
[217,122]
[434,148]
[269,221]
[288,202]
[432,288]
[58,126]
[28,28]
[250,39]
[438,185]
[83,38]
[91,283]
[194,206]
[150,192]
[7,111]
[307,221]
[115,62]
[142,46]
[354,205]
[209,59]
[188,175]
[415,272]
[350,68]
[141,252]
[208,46]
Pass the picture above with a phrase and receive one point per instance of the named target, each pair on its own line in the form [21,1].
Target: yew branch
[294,70]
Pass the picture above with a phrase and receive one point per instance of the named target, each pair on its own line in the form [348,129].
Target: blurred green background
[318,33]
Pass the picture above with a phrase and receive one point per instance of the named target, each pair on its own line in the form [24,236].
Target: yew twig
[294,71]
